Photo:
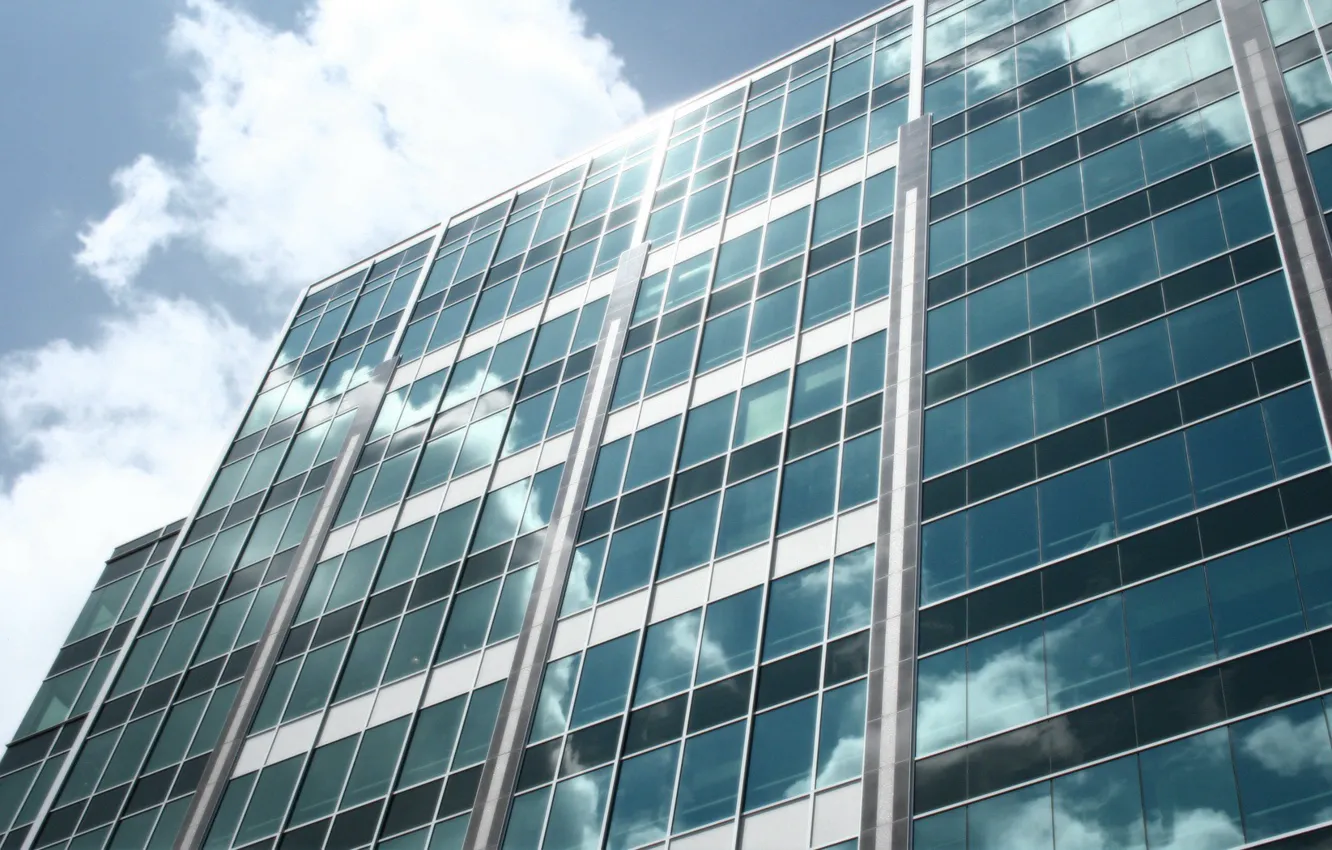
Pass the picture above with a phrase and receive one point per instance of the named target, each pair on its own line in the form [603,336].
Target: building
[920,441]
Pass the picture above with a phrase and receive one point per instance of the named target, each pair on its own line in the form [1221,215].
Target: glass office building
[917,442]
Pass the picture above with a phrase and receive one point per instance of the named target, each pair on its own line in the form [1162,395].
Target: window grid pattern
[484,412]
[761,287]
[47,732]
[1070,191]
[803,120]
[694,701]
[557,235]
[1129,619]
[1169,625]
[415,610]
[1093,40]
[338,795]
[1090,134]
[383,611]
[1146,799]
[484,611]
[151,738]
[1301,32]
[677,494]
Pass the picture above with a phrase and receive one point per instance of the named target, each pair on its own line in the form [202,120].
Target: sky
[175,171]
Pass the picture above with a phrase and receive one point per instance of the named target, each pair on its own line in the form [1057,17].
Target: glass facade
[919,441]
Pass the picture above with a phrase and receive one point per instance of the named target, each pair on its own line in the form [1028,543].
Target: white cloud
[123,430]
[316,147]
[310,148]
[117,248]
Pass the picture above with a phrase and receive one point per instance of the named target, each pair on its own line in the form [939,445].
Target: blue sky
[176,169]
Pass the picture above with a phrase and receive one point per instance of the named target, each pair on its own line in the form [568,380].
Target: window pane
[853,580]
[941,708]
[1169,629]
[323,781]
[1105,801]
[841,735]
[808,490]
[943,561]
[641,809]
[994,822]
[479,725]
[316,680]
[710,777]
[746,514]
[1002,537]
[774,317]
[1077,511]
[1187,781]
[786,237]
[1254,597]
[416,641]
[668,657]
[1283,761]
[797,609]
[373,768]
[552,710]
[828,294]
[781,754]
[525,818]
[609,471]
[269,800]
[1005,680]
[577,811]
[1313,559]
[1151,483]
[629,562]
[1086,656]
[605,681]
[730,633]
[819,385]
[762,409]
[723,339]
[1136,364]
[706,430]
[689,534]
[432,742]
[653,453]
[672,361]
[999,416]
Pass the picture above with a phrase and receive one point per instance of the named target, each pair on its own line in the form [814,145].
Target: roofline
[623,135]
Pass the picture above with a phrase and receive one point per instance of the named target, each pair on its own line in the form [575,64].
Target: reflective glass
[1006,683]
[841,735]
[577,811]
[797,607]
[604,684]
[730,636]
[1254,597]
[641,808]
[668,657]
[709,777]
[1103,801]
[781,755]
[1016,819]
[746,516]
[1086,656]
[1188,785]
[1169,628]
[1283,761]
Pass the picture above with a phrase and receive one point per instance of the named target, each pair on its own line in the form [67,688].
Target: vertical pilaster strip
[367,400]
[1301,233]
[886,800]
[500,773]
